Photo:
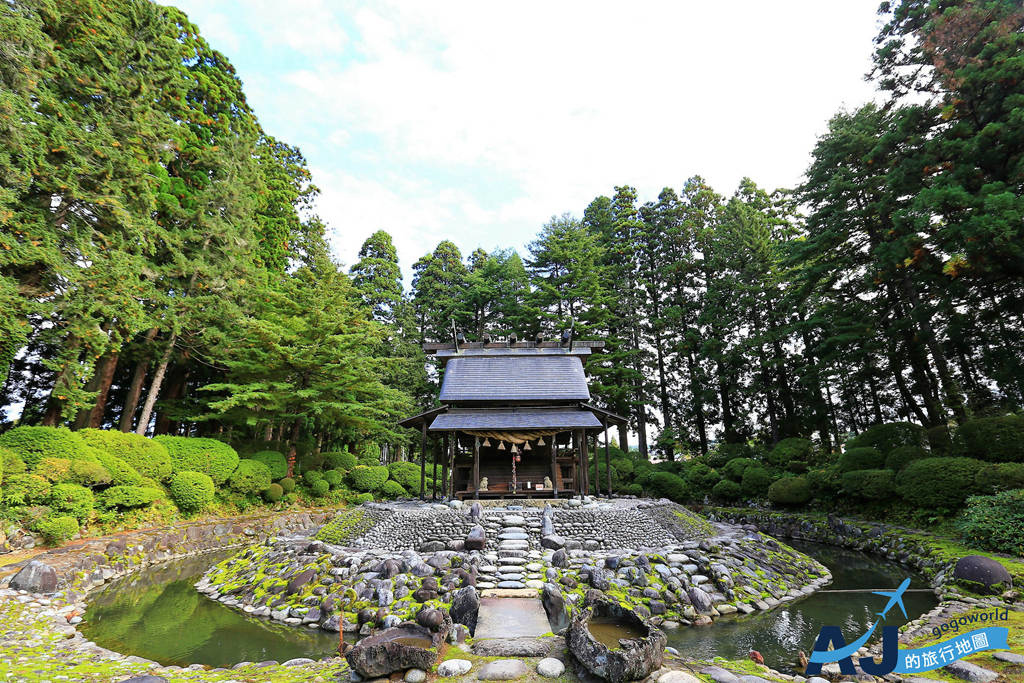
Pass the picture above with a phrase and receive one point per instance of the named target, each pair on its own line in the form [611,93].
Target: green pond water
[158,614]
[781,633]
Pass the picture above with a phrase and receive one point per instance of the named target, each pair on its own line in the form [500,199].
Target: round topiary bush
[874,484]
[148,457]
[121,473]
[755,482]
[633,490]
[340,460]
[251,476]
[320,488]
[11,462]
[290,498]
[275,461]
[129,496]
[996,439]
[191,491]
[902,456]
[368,477]
[57,529]
[789,450]
[727,490]
[861,458]
[312,476]
[89,473]
[407,474]
[888,436]
[700,478]
[287,484]
[214,458]
[392,489]
[1000,476]
[734,468]
[825,482]
[334,478]
[938,483]
[274,493]
[668,485]
[25,489]
[624,466]
[33,444]
[724,452]
[360,498]
[73,499]
[995,522]
[790,491]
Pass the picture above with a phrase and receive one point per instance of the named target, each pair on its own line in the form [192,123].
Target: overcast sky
[478,121]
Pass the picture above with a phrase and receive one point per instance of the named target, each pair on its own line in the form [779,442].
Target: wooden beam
[423,461]
[476,467]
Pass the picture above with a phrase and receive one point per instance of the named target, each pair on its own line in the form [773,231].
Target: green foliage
[938,484]
[633,490]
[274,493]
[129,496]
[861,458]
[755,482]
[728,490]
[724,452]
[275,461]
[54,469]
[996,439]
[209,456]
[875,484]
[788,450]
[334,478]
[58,529]
[668,485]
[290,498]
[191,491]
[74,499]
[940,441]
[89,473]
[340,460]
[995,522]
[887,436]
[25,489]
[790,491]
[405,473]
[368,478]
[121,473]
[33,444]
[251,476]
[700,478]
[360,498]
[392,489]
[901,456]
[1001,476]
[624,466]
[346,525]
[368,454]
[287,484]
[148,457]
[11,462]
[735,468]
[312,476]
[320,488]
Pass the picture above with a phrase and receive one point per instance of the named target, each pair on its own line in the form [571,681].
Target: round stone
[550,667]
[415,676]
[453,667]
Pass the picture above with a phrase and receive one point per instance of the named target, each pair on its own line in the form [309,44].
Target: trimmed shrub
[58,529]
[334,478]
[624,466]
[789,450]
[275,461]
[902,456]
[191,491]
[724,452]
[861,458]
[312,476]
[407,474]
[940,484]
[668,485]
[874,484]
[634,490]
[996,439]
[251,476]
[73,499]
[734,468]
[701,478]
[287,484]
[367,478]
[360,498]
[148,457]
[35,443]
[320,488]
[940,441]
[368,454]
[824,482]
[790,491]
[129,496]
[11,462]
[727,489]
[755,482]
[89,473]
[888,436]
[54,469]
[798,466]
[25,489]
[293,497]
[274,493]
[121,473]
[214,458]
[995,522]
[340,460]
[1000,476]
[392,489]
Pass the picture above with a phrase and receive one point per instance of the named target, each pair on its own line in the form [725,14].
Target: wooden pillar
[554,464]
[597,469]
[585,458]
[444,464]
[423,460]
[435,448]
[453,448]
[476,467]
[607,458]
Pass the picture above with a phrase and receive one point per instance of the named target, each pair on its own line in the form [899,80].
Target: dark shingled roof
[514,378]
[541,418]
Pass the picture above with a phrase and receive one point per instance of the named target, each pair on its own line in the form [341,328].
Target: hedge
[368,477]
[191,491]
[274,493]
[900,457]
[873,484]
[277,463]
[996,439]
[121,473]
[789,450]
[73,499]
[148,457]
[129,496]
[209,456]
[734,468]
[995,522]
[727,489]
[25,489]
[861,458]
[35,443]
[392,489]
[755,482]
[1000,476]
[251,476]
[407,474]
[340,460]
[889,435]
[938,483]
[11,462]
[58,529]
[790,491]
[702,478]
[668,485]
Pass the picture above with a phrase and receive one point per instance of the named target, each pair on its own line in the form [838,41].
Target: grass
[1008,671]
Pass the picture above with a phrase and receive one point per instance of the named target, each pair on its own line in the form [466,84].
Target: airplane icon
[895,598]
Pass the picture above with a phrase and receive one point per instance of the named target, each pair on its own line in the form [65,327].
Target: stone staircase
[513,554]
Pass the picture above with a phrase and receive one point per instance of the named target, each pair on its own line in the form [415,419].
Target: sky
[479,121]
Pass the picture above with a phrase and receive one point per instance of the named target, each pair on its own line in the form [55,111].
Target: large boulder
[476,539]
[552,542]
[554,606]
[35,577]
[382,654]
[633,660]
[300,580]
[980,570]
[465,607]
[700,600]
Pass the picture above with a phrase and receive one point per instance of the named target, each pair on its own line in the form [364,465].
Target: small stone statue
[483,484]
[547,483]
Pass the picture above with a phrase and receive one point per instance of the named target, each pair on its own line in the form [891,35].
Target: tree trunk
[55,404]
[624,438]
[108,365]
[292,449]
[154,387]
[174,389]
[131,401]
[698,403]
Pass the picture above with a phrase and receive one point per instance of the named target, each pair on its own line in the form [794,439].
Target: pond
[158,614]
[781,633]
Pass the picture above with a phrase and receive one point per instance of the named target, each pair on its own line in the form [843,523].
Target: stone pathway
[511,618]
